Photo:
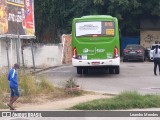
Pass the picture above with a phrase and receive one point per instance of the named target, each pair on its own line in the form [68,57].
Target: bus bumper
[104,62]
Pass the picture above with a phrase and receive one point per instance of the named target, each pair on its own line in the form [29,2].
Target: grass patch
[4,88]
[31,87]
[2,100]
[3,83]
[3,106]
[32,90]
[126,100]
[45,86]
[27,84]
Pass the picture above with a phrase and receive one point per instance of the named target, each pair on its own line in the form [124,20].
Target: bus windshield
[98,28]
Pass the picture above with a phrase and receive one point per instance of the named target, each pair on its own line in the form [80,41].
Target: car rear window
[133,47]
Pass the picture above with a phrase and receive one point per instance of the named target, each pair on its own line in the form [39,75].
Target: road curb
[35,72]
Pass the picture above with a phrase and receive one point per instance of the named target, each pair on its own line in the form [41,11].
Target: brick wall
[67,49]
[149,37]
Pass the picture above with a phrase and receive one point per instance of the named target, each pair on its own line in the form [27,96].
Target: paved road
[134,76]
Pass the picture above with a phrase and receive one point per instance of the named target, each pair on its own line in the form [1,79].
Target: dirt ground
[61,104]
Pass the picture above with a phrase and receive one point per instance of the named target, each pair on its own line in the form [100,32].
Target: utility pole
[18,40]
[7,44]
[22,48]
[11,50]
[32,55]
[17,49]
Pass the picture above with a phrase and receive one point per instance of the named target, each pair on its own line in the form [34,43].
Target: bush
[4,86]
[30,88]
[71,87]
[45,86]
[71,83]
[27,85]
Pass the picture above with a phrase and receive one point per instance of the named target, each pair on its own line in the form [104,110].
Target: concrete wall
[149,37]
[11,52]
[44,55]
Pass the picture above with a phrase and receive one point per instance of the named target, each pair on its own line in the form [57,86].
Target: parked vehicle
[95,43]
[153,46]
[147,52]
[134,52]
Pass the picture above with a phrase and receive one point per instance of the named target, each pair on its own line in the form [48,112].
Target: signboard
[17,17]
[87,28]
[95,28]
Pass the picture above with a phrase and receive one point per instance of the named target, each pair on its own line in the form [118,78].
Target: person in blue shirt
[13,83]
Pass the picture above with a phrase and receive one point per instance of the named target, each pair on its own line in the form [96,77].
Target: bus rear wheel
[117,71]
[79,70]
[111,70]
[85,70]
[114,70]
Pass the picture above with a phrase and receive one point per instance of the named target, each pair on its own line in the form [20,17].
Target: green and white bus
[95,43]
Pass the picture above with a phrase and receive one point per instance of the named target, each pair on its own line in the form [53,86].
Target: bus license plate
[95,63]
[84,57]
[132,52]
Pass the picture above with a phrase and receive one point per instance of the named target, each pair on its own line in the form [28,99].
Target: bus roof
[97,16]
[89,17]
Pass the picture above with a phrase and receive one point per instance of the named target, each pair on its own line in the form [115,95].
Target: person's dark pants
[156,63]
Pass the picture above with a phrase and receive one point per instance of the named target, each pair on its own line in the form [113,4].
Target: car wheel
[124,60]
[142,59]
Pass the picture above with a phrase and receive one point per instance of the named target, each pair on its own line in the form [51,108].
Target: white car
[153,46]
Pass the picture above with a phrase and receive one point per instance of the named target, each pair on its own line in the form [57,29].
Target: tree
[131,12]
[54,17]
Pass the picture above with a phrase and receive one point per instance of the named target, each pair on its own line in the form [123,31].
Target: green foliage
[53,17]
[45,86]
[4,89]
[31,88]
[72,88]
[70,83]
[101,2]
[126,100]
[28,85]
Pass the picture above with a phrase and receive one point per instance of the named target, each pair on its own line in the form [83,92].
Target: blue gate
[129,40]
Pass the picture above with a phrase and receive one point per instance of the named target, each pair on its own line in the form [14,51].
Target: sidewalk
[38,70]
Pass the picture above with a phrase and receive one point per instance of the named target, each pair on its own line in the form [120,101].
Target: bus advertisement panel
[95,28]
[17,17]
